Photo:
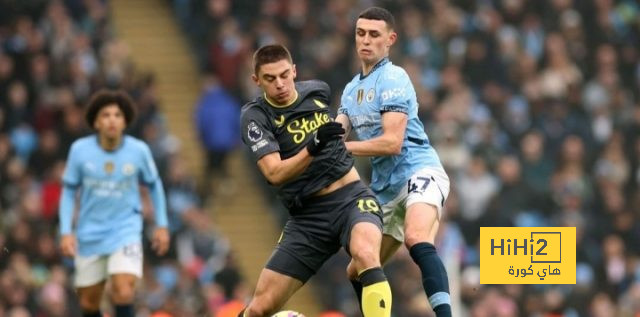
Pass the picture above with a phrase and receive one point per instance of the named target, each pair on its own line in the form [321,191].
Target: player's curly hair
[270,54]
[105,97]
[377,13]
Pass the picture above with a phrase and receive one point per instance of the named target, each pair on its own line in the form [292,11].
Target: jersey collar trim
[375,67]
[275,105]
[120,145]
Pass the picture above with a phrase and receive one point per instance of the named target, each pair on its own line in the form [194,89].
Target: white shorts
[91,270]
[429,185]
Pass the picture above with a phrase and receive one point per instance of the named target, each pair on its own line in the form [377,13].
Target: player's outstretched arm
[394,125]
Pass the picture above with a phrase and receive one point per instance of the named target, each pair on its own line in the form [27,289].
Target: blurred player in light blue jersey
[105,169]
[408,178]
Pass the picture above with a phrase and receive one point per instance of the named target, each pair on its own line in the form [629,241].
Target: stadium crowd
[533,106]
[53,55]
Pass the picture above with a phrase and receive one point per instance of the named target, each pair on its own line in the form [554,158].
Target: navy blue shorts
[322,225]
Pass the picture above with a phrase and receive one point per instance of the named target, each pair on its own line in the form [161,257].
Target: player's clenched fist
[325,133]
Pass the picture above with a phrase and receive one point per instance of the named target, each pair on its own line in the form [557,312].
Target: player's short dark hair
[377,13]
[105,97]
[270,54]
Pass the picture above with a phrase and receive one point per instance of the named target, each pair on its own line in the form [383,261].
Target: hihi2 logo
[527,255]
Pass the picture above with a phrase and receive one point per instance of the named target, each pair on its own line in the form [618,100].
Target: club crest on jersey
[109,167]
[370,95]
[128,169]
[254,133]
[360,96]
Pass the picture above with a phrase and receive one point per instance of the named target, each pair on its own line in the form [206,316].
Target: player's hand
[329,131]
[68,245]
[160,242]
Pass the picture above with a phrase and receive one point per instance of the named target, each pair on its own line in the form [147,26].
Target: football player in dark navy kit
[299,148]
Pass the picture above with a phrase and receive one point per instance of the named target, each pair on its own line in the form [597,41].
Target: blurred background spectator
[217,119]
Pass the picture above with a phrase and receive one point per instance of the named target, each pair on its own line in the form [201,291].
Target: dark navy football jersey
[268,128]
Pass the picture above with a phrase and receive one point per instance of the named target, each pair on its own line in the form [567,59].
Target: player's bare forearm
[380,146]
[278,171]
[346,124]
[389,142]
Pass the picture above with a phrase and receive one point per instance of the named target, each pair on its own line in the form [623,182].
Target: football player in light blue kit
[380,105]
[105,170]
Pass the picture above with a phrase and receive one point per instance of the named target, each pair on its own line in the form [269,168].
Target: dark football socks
[125,311]
[434,277]
[357,287]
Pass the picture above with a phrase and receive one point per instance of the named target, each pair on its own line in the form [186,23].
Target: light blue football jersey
[388,88]
[110,208]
